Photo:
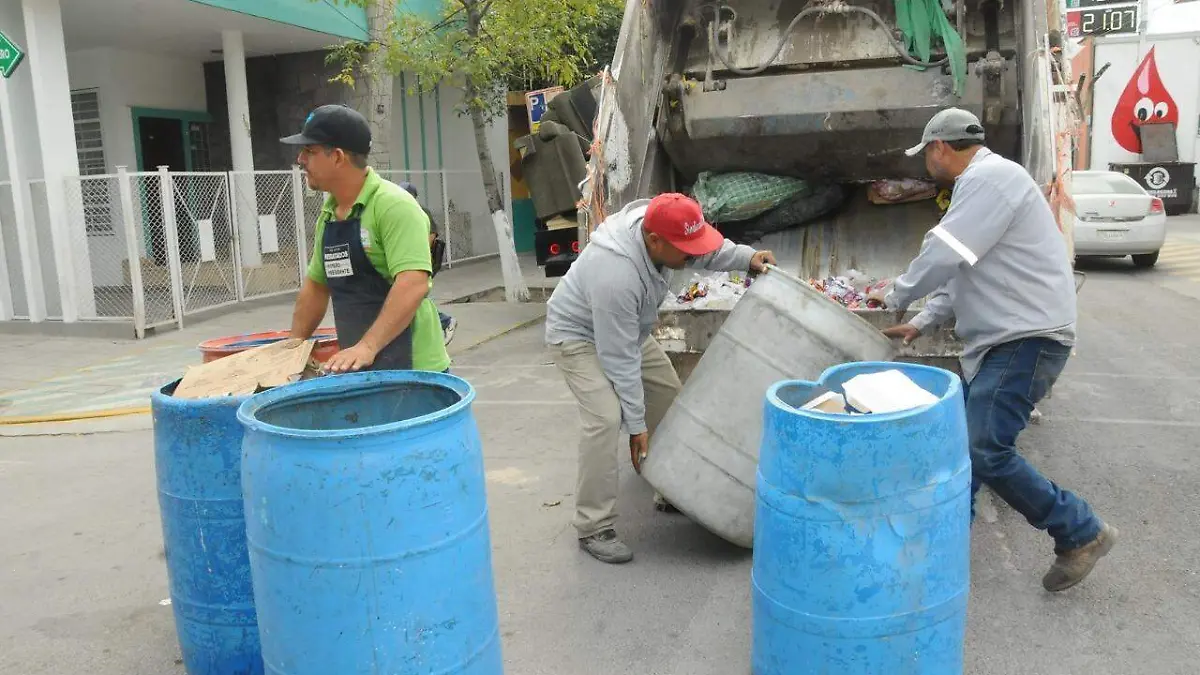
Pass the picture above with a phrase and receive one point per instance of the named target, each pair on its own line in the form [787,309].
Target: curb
[72,417]
[498,334]
[62,422]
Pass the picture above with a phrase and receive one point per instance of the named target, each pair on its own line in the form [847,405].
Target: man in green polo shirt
[370,255]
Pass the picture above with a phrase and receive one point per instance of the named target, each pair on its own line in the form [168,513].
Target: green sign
[10,56]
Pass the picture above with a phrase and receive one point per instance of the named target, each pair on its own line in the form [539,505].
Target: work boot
[1072,567]
[606,547]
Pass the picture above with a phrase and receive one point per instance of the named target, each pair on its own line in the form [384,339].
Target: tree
[479,45]
[602,31]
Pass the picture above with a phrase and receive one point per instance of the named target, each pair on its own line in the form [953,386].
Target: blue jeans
[445,318]
[1012,379]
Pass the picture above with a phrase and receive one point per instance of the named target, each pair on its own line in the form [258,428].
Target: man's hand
[879,295]
[639,445]
[905,331]
[292,342]
[760,260]
[355,358]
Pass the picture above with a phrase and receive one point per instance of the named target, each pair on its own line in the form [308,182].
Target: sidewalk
[52,380]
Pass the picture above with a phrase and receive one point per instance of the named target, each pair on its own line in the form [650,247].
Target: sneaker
[606,547]
[448,331]
[1072,567]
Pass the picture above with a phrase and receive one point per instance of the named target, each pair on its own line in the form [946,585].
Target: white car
[1115,217]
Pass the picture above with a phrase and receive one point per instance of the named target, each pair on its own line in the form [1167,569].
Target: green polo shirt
[395,235]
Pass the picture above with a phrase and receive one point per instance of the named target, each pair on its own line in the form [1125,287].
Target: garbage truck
[830,93]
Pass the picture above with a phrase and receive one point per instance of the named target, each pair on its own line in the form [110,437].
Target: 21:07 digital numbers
[1108,20]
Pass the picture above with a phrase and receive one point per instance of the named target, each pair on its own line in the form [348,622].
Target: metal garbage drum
[366,515]
[704,453]
[862,536]
[197,460]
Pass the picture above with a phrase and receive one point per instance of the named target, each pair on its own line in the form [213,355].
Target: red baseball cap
[680,220]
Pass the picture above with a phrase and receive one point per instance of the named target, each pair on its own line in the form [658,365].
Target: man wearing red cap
[598,322]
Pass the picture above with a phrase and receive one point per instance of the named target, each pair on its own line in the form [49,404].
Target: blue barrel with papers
[197,460]
[862,532]
[366,515]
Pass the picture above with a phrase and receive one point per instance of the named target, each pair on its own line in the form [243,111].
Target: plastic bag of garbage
[900,191]
[726,197]
[816,202]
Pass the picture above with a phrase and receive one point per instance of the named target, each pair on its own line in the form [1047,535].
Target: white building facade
[1150,74]
[141,179]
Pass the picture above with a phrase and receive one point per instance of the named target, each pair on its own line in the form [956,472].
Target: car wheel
[1145,259]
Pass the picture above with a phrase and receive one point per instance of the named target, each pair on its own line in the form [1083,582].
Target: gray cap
[951,124]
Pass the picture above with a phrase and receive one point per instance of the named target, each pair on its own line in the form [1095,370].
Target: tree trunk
[515,289]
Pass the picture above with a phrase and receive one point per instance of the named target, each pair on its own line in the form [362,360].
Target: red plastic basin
[326,346]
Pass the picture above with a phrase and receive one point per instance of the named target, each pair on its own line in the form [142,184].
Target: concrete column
[31,263]
[380,86]
[60,158]
[245,201]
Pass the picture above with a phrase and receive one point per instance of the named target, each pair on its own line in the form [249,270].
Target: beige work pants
[602,443]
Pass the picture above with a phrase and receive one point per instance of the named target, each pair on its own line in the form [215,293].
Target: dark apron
[358,291]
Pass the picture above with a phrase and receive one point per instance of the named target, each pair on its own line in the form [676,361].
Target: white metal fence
[460,211]
[151,248]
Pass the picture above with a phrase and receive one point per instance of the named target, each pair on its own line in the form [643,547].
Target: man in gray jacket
[599,320]
[998,265]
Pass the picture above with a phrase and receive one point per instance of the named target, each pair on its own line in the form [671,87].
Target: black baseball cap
[337,126]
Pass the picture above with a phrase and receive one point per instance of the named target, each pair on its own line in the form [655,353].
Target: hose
[832,8]
[836,7]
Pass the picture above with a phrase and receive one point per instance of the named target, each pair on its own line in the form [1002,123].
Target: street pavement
[82,576]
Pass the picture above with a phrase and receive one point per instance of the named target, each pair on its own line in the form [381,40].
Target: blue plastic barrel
[367,519]
[198,461]
[862,533]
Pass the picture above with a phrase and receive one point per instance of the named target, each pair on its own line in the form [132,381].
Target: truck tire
[1145,260]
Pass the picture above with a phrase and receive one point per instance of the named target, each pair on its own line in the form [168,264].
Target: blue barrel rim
[165,396]
[248,411]
[955,389]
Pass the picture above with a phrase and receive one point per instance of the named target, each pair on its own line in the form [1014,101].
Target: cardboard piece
[884,392]
[245,373]
[831,402]
[1159,143]
[560,223]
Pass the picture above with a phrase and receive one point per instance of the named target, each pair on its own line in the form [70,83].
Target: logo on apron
[364,236]
[337,261]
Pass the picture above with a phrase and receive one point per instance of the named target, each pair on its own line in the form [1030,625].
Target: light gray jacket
[610,298]
[997,263]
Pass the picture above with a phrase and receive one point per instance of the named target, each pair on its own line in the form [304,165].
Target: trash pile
[719,290]
[851,289]
[900,191]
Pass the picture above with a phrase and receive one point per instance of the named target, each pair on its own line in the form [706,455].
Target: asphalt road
[82,577]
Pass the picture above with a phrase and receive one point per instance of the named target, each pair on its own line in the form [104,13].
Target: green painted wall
[429,8]
[524,224]
[323,16]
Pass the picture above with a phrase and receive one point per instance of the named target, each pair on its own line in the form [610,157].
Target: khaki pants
[602,443]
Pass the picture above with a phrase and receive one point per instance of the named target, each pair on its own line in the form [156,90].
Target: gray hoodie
[610,298]
[996,263]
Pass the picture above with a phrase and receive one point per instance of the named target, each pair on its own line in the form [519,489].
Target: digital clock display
[1102,20]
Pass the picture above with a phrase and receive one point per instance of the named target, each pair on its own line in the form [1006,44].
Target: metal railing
[152,248]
